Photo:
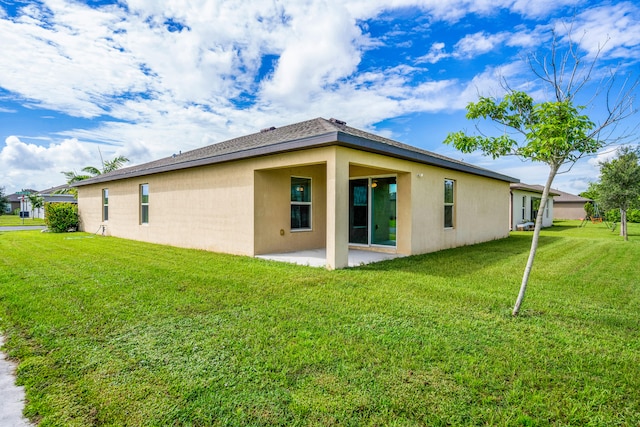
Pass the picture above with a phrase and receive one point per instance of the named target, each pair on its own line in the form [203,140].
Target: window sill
[300,230]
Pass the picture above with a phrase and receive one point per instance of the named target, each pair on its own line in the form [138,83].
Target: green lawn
[16,220]
[117,332]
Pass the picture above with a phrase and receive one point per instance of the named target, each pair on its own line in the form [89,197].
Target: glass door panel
[359,211]
[383,211]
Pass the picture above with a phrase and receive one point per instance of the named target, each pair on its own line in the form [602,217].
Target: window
[144,204]
[300,203]
[524,208]
[105,204]
[546,209]
[448,203]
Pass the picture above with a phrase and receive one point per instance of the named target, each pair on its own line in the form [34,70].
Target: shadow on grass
[463,260]
[557,228]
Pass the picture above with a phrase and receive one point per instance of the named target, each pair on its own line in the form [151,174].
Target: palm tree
[91,171]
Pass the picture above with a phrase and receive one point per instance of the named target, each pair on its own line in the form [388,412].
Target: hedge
[61,217]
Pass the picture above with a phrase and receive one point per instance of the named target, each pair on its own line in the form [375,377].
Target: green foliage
[61,217]
[591,192]
[4,202]
[551,132]
[36,200]
[620,180]
[116,332]
[612,215]
[633,215]
[91,171]
[589,209]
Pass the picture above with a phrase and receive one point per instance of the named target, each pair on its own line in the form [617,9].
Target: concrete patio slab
[318,257]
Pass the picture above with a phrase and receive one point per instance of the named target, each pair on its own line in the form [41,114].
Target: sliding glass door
[372,211]
[359,211]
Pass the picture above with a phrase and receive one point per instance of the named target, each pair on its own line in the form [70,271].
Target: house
[318,184]
[525,202]
[569,206]
[20,202]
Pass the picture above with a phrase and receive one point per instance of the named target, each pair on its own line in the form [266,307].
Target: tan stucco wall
[241,207]
[569,210]
[481,209]
[272,210]
[481,204]
[207,208]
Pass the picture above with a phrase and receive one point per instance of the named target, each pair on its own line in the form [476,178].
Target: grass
[116,332]
[8,220]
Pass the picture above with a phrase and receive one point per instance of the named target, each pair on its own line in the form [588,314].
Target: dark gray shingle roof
[570,198]
[313,133]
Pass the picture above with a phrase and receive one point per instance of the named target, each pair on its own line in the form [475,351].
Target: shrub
[612,215]
[633,215]
[61,217]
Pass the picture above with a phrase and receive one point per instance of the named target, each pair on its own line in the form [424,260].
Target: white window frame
[144,204]
[105,204]
[451,204]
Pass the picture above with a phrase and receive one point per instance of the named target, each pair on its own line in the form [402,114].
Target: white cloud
[476,44]
[436,53]
[539,8]
[613,28]
[28,165]
[173,76]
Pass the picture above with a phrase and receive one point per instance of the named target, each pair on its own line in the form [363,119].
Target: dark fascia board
[529,189]
[364,144]
[316,141]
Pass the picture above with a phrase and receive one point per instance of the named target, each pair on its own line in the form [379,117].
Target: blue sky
[147,78]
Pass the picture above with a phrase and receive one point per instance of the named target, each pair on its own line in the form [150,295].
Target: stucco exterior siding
[481,204]
[481,210]
[272,210]
[569,210]
[207,208]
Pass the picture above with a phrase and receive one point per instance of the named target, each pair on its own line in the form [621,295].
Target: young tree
[37,202]
[4,202]
[553,132]
[591,192]
[619,186]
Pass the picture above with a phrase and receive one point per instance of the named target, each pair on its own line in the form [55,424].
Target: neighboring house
[569,206]
[318,184]
[22,203]
[525,202]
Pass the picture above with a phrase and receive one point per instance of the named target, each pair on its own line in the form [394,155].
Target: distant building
[21,202]
[525,201]
[569,206]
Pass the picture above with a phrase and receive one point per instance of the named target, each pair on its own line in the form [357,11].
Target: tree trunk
[534,241]
[623,224]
